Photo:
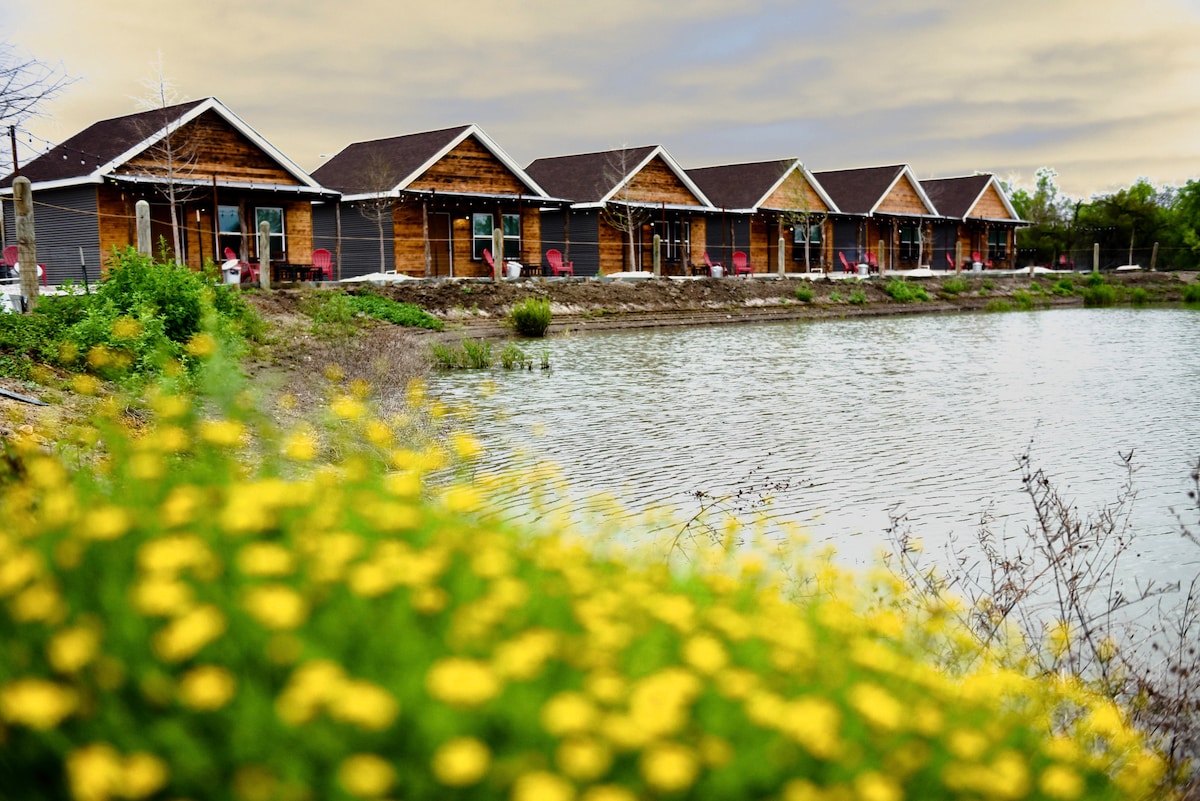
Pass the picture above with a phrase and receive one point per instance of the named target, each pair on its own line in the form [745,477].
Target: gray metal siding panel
[65,220]
[360,244]
[584,244]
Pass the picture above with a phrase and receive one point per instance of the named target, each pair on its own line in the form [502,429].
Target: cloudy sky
[1103,91]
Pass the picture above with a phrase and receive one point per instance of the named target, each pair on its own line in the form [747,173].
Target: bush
[513,358]
[903,292]
[954,286]
[1063,286]
[1191,293]
[219,617]
[804,294]
[531,317]
[470,353]
[1099,294]
[857,297]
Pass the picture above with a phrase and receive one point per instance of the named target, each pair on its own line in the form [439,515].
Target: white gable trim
[672,165]
[489,144]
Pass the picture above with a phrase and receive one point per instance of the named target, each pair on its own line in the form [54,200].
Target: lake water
[861,419]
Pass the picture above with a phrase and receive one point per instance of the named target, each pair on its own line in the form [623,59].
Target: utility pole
[12,137]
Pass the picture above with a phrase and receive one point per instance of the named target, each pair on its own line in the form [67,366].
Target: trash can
[977,266]
[716,270]
[863,268]
[514,269]
[232,271]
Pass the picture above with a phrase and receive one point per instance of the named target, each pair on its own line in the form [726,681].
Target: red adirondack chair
[847,267]
[489,261]
[249,271]
[712,267]
[741,264]
[322,264]
[872,262]
[557,265]
[11,262]
[950,261]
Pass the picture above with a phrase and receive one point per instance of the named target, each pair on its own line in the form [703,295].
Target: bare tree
[801,214]
[378,179]
[25,84]
[172,155]
[623,212]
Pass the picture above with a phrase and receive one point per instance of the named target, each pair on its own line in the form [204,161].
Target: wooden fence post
[1153,257]
[780,255]
[264,254]
[1095,257]
[656,256]
[26,242]
[142,213]
[497,254]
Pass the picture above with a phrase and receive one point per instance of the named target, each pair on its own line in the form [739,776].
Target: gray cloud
[1105,91]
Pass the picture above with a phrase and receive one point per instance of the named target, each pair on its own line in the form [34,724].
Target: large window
[675,236]
[997,244]
[229,231]
[910,242]
[273,216]
[810,234]
[481,234]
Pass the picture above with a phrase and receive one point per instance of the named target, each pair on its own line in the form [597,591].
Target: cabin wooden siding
[408,223]
[220,150]
[657,183]
[990,206]
[902,199]
[795,194]
[117,224]
[470,167]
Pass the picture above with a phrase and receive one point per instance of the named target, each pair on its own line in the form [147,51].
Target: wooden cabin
[225,177]
[884,216]
[977,218]
[761,202]
[426,204]
[618,201]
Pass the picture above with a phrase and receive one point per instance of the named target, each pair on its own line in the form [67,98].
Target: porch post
[337,235]
[264,254]
[425,236]
[497,254]
[779,253]
[26,241]
[142,213]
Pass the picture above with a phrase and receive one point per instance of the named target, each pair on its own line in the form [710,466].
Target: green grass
[404,314]
[902,291]
[513,358]
[1191,293]
[857,297]
[531,317]
[804,294]
[954,286]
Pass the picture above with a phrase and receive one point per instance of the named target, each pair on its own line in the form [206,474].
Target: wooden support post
[957,257]
[264,254]
[497,254]
[26,242]
[879,253]
[780,253]
[656,256]
[3,233]
[425,236]
[142,214]
[1095,257]
[1153,256]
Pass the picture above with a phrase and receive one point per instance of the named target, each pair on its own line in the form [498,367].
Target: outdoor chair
[847,267]
[249,271]
[322,264]
[557,266]
[950,261]
[872,262]
[13,267]
[741,264]
[714,270]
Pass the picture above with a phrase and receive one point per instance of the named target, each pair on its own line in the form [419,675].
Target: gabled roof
[747,186]
[97,152]
[861,191]
[957,197]
[596,178]
[406,158]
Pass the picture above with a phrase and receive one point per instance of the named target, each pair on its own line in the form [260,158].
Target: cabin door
[441,261]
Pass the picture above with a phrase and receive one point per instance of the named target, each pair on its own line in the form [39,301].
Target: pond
[855,421]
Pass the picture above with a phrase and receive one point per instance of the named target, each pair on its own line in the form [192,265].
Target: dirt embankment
[480,308]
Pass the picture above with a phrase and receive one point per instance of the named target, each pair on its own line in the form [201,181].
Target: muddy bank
[479,308]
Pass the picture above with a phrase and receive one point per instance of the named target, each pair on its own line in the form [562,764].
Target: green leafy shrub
[1099,293]
[998,305]
[531,317]
[1139,296]
[217,616]
[857,297]
[1022,300]
[1094,280]
[332,314]
[1191,293]
[904,292]
[835,297]
[1063,286]
[513,358]
[954,286]
[405,314]
[804,294]
[468,354]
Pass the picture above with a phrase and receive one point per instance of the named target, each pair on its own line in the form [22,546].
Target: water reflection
[920,416]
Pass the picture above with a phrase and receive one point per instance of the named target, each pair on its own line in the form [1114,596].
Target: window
[229,230]
[676,236]
[997,244]
[813,239]
[481,235]
[273,216]
[910,242]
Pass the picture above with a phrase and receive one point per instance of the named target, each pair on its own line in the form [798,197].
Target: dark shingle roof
[587,177]
[740,186]
[99,144]
[954,197]
[858,191]
[358,167]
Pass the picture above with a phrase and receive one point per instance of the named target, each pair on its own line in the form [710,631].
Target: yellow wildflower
[222,433]
[568,713]
[801,790]
[276,606]
[705,653]
[184,636]
[542,785]
[815,723]
[364,704]
[126,328]
[36,703]
[584,759]
[462,682]
[142,775]
[461,762]
[872,786]
[85,384]
[1061,782]
[93,772]
[967,744]
[877,706]
[202,345]
[159,596]
[105,523]
[366,775]
[347,407]
[266,559]
[465,445]
[669,767]
[207,688]
[40,601]
[72,648]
